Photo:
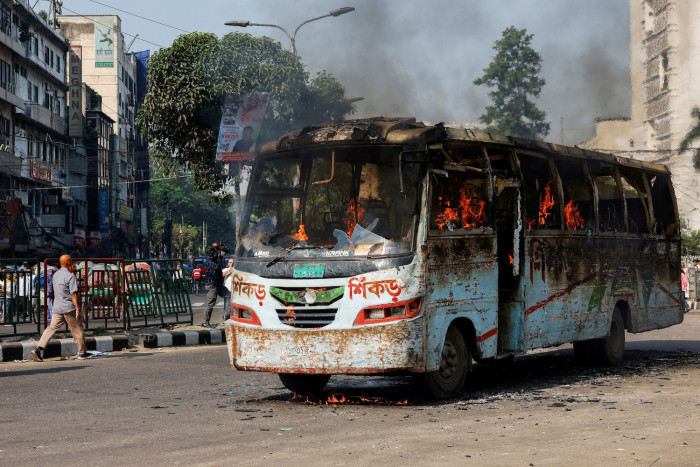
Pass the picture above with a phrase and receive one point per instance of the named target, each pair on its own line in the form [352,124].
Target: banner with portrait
[240,127]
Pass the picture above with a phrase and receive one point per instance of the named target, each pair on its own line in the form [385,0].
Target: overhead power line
[139,16]
[125,33]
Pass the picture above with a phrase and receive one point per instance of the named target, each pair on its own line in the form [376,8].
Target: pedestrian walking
[66,309]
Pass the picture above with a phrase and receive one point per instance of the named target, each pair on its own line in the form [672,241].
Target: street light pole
[291,37]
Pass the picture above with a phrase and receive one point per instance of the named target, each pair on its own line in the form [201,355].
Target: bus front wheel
[304,384]
[456,361]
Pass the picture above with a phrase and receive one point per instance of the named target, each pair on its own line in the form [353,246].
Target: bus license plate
[308,270]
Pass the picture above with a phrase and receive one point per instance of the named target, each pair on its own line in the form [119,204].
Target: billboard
[240,126]
[104,44]
[103,210]
[75,93]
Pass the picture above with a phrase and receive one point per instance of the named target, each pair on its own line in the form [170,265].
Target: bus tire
[304,384]
[608,351]
[455,363]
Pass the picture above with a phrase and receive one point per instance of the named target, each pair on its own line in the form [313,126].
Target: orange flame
[510,258]
[447,216]
[470,218]
[334,400]
[547,204]
[574,219]
[301,234]
[354,215]
[290,311]
[473,213]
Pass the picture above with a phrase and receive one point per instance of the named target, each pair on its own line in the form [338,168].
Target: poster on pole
[240,127]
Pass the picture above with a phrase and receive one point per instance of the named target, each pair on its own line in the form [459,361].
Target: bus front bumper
[396,346]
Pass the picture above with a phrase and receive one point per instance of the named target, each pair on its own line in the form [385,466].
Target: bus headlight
[242,314]
[386,313]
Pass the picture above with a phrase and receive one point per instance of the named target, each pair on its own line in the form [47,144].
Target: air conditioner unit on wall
[51,200]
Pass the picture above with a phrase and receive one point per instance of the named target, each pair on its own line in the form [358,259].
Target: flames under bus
[384,245]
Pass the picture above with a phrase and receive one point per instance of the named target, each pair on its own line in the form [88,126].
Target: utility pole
[204,236]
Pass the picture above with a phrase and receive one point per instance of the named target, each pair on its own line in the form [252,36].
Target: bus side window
[664,209]
[459,201]
[578,195]
[540,192]
[637,201]
[611,216]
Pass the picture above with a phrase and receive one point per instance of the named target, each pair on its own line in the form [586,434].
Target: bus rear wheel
[455,363]
[304,384]
[608,351]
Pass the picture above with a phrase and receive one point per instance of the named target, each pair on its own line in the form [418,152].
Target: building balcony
[7,94]
[9,37]
[44,116]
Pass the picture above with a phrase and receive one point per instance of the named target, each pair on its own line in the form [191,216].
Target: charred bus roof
[409,132]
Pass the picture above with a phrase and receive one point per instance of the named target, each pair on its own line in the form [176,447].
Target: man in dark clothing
[215,281]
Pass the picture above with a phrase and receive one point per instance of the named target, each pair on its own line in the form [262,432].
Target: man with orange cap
[65,310]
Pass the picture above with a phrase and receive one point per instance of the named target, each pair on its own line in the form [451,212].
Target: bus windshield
[342,202]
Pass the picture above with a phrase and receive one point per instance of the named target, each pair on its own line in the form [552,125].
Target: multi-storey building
[112,73]
[41,166]
[665,47]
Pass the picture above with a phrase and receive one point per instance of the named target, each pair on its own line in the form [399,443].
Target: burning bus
[386,245]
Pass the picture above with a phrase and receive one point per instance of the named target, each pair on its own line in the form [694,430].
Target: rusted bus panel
[462,282]
[573,283]
[396,346]
[340,346]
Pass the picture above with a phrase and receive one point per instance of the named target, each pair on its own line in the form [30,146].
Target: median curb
[183,338]
[12,351]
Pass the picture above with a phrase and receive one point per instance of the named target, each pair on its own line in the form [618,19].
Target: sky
[418,58]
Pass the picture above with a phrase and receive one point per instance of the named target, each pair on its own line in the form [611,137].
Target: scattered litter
[96,353]
[285,429]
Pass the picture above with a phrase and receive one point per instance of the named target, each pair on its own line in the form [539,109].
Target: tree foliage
[187,86]
[692,135]
[513,76]
[189,208]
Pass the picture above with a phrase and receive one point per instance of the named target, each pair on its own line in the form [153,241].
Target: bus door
[508,222]
[462,275]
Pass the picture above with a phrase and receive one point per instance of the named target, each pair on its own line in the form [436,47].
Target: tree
[692,135]
[189,81]
[190,207]
[513,76]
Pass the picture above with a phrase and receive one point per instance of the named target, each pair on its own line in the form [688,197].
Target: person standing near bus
[65,310]
[684,287]
[215,280]
[228,287]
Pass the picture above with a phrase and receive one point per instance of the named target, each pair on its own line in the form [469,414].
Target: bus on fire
[385,245]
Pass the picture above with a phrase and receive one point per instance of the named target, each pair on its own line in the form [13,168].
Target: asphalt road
[186,406]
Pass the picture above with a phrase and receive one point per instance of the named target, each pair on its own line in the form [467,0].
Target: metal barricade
[100,291]
[157,290]
[20,305]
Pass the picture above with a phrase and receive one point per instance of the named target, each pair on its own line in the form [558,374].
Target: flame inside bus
[301,234]
[354,214]
[547,204]
[473,213]
[574,219]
